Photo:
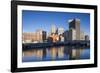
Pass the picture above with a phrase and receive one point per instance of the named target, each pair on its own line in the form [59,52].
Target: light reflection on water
[55,53]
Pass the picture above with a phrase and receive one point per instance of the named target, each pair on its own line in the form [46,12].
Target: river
[55,54]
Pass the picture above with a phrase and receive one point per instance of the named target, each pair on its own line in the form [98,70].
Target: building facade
[75,24]
[66,35]
[60,31]
[53,29]
[28,37]
[72,34]
[82,36]
[38,36]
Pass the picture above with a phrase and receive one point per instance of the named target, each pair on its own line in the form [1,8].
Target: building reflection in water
[54,53]
[37,53]
[73,53]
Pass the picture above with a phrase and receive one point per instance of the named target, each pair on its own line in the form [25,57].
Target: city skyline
[33,20]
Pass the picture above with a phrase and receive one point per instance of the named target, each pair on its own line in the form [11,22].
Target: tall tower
[53,29]
[75,24]
[72,34]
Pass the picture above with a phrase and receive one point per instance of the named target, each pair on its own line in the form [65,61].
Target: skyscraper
[72,34]
[53,29]
[75,24]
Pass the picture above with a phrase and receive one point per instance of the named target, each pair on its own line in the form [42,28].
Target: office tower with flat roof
[75,24]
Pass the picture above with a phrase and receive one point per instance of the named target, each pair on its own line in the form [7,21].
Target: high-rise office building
[53,29]
[75,24]
[72,34]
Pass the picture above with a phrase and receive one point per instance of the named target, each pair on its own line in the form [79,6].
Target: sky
[34,20]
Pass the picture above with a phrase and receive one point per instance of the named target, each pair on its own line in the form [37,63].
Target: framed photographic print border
[14,35]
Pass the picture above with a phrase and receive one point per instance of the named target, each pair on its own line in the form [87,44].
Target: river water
[55,54]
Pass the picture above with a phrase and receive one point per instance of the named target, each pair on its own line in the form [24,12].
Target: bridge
[77,44]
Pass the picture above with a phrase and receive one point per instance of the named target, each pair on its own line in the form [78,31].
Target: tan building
[38,36]
[53,29]
[28,37]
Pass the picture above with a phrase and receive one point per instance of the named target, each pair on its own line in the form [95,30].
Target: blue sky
[33,20]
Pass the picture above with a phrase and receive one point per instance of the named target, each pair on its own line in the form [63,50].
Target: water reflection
[55,53]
